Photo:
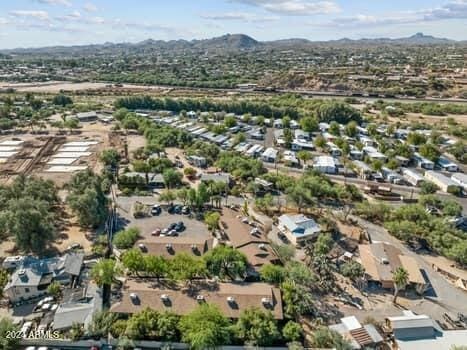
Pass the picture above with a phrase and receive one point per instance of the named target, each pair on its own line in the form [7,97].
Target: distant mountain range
[228,42]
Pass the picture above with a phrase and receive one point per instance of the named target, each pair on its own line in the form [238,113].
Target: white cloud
[3,21]
[295,7]
[55,2]
[90,7]
[456,9]
[39,15]
[75,15]
[239,16]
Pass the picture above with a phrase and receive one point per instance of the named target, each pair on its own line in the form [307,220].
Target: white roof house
[461,179]
[442,181]
[447,165]
[325,164]
[269,155]
[298,228]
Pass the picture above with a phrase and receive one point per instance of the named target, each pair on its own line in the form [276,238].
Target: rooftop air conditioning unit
[262,246]
[231,300]
[194,247]
[164,297]
[22,272]
[168,246]
[385,261]
[200,298]
[266,301]
[141,246]
[133,296]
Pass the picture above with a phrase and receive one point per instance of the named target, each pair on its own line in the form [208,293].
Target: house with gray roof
[298,228]
[415,332]
[33,276]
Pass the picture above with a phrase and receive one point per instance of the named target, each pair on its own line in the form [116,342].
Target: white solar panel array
[69,153]
[8,149]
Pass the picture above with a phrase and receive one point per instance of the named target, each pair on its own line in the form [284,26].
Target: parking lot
[193,228]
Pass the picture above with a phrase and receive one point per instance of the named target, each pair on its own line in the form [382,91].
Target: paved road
[444,295]
[406,191]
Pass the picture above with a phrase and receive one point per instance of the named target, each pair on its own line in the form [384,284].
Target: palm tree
[401,279]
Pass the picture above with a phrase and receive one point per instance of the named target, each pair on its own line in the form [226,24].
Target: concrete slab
[62,161]
[65,169]
[75,155]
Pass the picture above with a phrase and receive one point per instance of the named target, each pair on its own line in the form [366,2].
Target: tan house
[231,298]
[380,260]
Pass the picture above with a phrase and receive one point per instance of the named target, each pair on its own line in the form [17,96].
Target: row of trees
[222,262]
[204,327]
[290,105]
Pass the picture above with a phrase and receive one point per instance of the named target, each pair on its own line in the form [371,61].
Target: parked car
[172,226]
[185,210]
[179,226]
[172,233]
[171,209]
[178,209]
[156,209]
[156,232]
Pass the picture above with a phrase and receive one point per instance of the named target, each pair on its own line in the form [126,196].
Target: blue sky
[33,23]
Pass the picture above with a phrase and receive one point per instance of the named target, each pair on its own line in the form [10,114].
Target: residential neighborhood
[175,187]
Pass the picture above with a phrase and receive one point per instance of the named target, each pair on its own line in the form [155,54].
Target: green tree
[76,331]
[8,342]
[110,157]
[334,128]
[351,129]
[172,178]
[143,325]
[430,151]
[185,267]
[274,274]
[156,266]
[87,199]
[428,187]
[126,239]
[292,331]
[101,324]
[323,337]
[323,244]
[167,196]
[31,222]
[257,327]
[352,270]
[309,124]
[205,328]
[211,219]
[4,277]
[167,326]
[304,156]
[55,289]
[297,300]
[133,260]
[71,124]
[104,272]
[401,279]
[223,261]
[62,100]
